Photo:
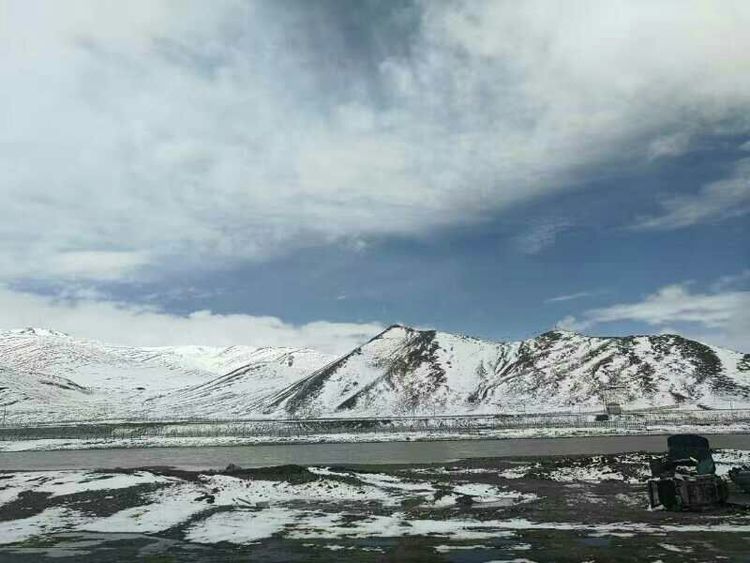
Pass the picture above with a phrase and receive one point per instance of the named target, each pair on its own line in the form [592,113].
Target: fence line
[650,414]
[305,427]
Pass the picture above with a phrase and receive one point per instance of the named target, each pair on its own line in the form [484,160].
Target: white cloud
[732,281]
[571,296]
[127,324]
[676,303]
[669,145]
[719,317]
[570,322]
[718,200]
[540,236]
[95,264]
[186,133]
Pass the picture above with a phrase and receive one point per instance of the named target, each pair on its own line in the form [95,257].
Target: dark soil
[605,502]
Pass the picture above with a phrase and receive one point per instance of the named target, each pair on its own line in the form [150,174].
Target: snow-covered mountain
[47,375]
[403,370]
[243,391]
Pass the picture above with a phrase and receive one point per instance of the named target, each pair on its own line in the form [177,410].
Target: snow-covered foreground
[238,509]
[500,507]
[354,437]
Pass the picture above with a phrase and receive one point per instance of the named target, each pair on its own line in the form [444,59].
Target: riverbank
[367,437]
[532,508]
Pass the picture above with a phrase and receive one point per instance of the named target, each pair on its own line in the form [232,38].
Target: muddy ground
[580,508]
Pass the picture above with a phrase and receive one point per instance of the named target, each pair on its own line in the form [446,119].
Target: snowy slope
[245,390]
[50,375]
[46,375]
[39,391]
[405,371]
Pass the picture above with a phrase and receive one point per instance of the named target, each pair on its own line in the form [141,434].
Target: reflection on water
[115,548]
[531,545]
[90,547]
[351,453]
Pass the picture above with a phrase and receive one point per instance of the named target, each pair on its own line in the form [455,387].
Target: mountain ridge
[401,370]
[426,371]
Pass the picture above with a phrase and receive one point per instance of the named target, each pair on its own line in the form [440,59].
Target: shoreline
[70,444]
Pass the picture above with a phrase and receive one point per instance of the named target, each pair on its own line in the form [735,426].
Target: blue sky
[305,173]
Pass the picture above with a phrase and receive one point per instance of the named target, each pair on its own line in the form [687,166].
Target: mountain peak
[38,331]
[560,332]
[394,329]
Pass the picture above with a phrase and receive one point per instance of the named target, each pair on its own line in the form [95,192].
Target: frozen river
[344,453]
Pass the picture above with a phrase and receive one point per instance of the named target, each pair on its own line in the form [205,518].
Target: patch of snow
[490,493]
[594,474]
[675,549]
[49,521]
[725,459]
[515,472]
[449,548]
[240,526]
[61,483]
[69,482]
[612,534]
[161,514]
[445,501]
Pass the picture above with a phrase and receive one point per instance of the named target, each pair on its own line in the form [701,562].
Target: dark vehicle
[685,478]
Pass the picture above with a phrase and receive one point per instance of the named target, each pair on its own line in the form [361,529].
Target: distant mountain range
[48,375]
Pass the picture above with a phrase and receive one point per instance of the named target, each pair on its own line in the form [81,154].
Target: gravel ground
[574,508]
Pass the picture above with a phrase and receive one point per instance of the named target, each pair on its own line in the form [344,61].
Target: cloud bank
[159,134]
[718,316]
[134,325]
[716,201]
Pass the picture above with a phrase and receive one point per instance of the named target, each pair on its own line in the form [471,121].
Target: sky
[306,173]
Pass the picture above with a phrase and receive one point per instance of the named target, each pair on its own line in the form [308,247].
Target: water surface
[343,453]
